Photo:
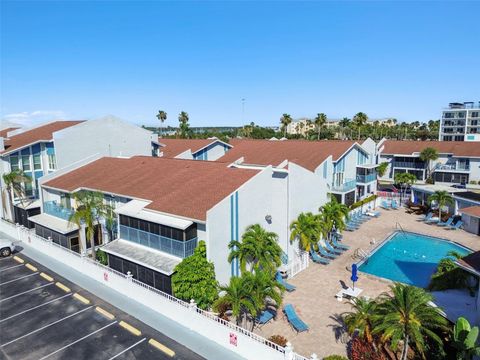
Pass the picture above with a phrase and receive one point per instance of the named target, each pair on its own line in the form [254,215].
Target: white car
[6,247]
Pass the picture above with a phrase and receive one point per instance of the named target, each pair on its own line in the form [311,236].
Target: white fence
[234,338]
[299,263]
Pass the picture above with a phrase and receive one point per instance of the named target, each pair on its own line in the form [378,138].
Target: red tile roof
[408,147]
[187,188]
[174,147]
[472,211]
[37,134]
[308,154]
[4,132]
[471,261]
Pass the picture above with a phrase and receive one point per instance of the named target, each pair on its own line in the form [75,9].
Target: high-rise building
[460,122]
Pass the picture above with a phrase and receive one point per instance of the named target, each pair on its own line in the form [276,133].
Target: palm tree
[237,296]
[344,123]
[407,316]
[265,289]
[427,155]
[307,229]
[405,180]
[162,116]
[320,121]
[361,320]
[184,126]
[14,187]
[259,249]
[333,215]
[359,120]
[285,120]
[90,208]
[442,199]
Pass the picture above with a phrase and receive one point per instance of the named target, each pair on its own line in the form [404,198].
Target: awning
[135,208]
[368,166]
[142,255]
[53,223]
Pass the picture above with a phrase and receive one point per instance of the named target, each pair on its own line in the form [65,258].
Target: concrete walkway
[314,299]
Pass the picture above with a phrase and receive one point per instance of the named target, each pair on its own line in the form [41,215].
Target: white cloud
[27,118]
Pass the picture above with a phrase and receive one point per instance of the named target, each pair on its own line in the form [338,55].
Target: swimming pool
[409,258]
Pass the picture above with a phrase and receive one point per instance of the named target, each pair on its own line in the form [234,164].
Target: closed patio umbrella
[354,276]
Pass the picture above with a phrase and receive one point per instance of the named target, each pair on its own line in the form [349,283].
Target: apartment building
[44,149]
[458,161]
[460,122]
[193,149]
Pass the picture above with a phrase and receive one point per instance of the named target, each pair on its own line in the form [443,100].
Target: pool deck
[314,299]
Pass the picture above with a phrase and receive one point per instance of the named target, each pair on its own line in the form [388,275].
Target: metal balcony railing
[174,247]
[366,178]
[52,208]
[348,185]
[458,167]
[409,164]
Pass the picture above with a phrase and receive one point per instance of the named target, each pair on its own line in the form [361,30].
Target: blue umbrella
[354,276]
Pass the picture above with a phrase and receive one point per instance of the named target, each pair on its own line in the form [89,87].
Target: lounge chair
[385,205]
[456,226]
[432,220]
[318,259]
[338,245]
[427,217]
[332,249]
[394,205]
[293,318]
[373,213]
[264,317]
[446,223]
[324,252]
[287,286]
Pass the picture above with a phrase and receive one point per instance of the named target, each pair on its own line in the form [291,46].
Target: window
[65,201]
[475,114]
[52,165]
[37,162]
[28,189]
[14,162]
[26,162]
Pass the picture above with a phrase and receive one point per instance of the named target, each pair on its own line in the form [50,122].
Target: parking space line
[20,278]
[46,277]
[46,326]
[25,292]
[130,328]
[35,307]
[105,313]
[12,267]
[18,259]
[81,298]
[161,347]
[63,287]
[77,341]
[127,349]
[31,267]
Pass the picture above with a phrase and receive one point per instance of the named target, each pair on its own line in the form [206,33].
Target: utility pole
[243,111]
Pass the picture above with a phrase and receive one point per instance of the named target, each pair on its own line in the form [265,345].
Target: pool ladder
[359,253]
[399,226]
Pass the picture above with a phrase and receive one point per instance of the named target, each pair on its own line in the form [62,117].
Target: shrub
[429,181]
[362,202]
[194,278]
[102,257]
[361,350]
[473,182]
[279,340]
[335,357]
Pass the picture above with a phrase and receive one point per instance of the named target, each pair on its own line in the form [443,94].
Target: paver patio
[314,299]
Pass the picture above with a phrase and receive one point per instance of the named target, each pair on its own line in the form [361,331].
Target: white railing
[299,263]
[234,338]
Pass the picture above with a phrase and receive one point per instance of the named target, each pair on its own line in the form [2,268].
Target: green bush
[335,357]
[363,202]
[473,182]
[102,257]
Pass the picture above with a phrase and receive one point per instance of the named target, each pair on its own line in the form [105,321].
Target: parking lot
[43,316]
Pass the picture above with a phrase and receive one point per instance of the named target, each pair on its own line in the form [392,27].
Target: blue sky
[88,59]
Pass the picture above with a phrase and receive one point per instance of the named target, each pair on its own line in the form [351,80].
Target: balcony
[450,167]
[409,164]
[347,186]
[177,248]
[366,178]
[52,208]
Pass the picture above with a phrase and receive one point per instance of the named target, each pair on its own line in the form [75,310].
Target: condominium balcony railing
[54,209]
[409,164]
[348,185]
[174,247]
[366,178]
[458,167]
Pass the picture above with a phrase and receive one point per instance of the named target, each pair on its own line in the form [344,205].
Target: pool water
[409,258]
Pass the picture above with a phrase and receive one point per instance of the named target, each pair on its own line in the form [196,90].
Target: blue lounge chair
[293,318]
[287,286]
[456,226]
[350,228]
[446,223]
[385,205]
[427,217]
[394,205]
[324,252]
[332,249]
[264,317]
[338,245]
[318,259]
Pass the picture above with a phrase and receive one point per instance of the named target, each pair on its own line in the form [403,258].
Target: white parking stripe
[11,267]
[46,326]
[35,307]
[25,292]
[78,340]
[131,347]
[20,278]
